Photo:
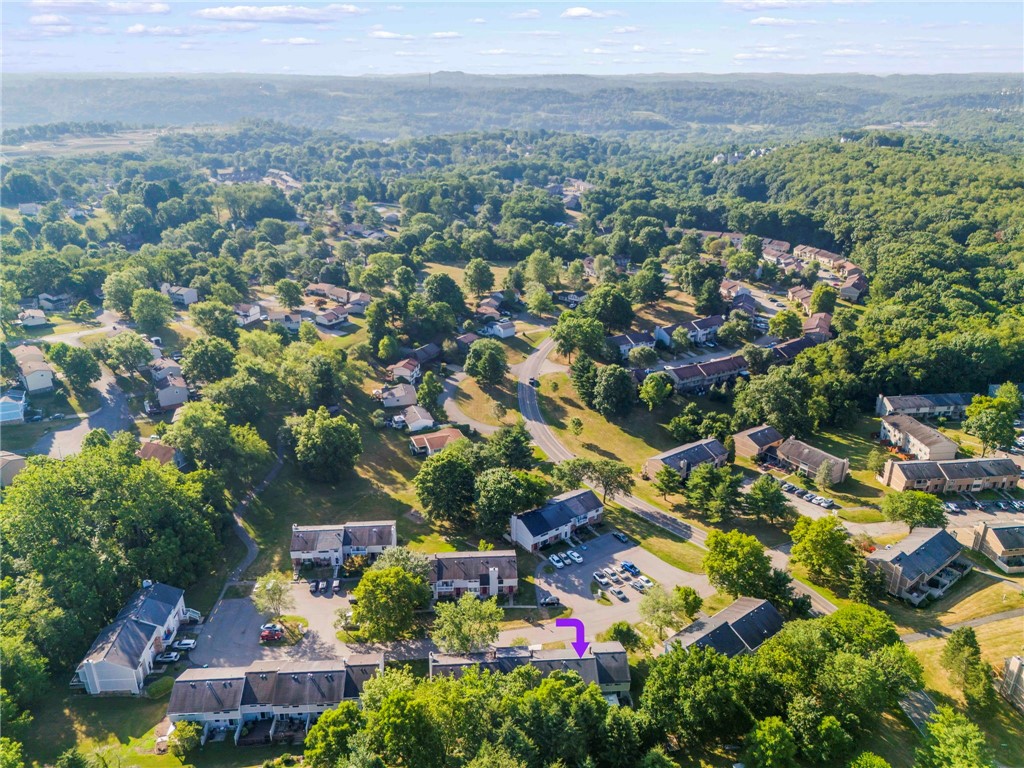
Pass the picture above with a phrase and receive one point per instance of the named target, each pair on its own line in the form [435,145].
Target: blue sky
[341,38]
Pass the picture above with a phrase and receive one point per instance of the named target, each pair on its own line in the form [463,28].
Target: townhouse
[818,327]
[951,405]
[924,565]
[484,574]
[556,520]
[757,441]
[1002,543]
[801,457]
[626,342]
[696,377]
[739,628]
[684,458]
[915,439]
[700,331]
[955,476]
[12,406]
[332,545]
[800,295]
[825,258]
[786,351]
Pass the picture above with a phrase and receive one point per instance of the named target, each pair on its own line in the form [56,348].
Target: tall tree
[207,359]
[785,324]
[327,742]
[822,546]
[771,745]
[466,625]
[289,293]
[151,309]
[487,361]
[823,298]
[78,365]
[324,445]
[272,595]
[766,500]
[478,277]
[583,373]
[953,741]
[386,600]
[445,486]
[736,563]
[915,508]
[667,481]
[614,391]
[215,319]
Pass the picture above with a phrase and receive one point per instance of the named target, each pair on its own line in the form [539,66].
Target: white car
[556,561]
[574,556]
[601,579]
[187,644]
[168,657]
[645,581]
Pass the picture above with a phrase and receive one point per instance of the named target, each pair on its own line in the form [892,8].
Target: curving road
[546,439]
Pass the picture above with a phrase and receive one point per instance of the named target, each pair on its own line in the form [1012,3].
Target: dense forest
[705,108]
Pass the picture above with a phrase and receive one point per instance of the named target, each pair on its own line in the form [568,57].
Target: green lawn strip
[20,438]
[979,559]
[418,667]
[853,443]
[862,515]
[59,325]
[294,629]
[799,573]
[1003,726]
[521,618]
[535,337]
[974,596]
[656,540]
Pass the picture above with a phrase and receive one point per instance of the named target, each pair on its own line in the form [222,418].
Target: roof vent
[146,583]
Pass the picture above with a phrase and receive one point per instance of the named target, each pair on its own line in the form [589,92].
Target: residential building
[604,664]
[324,290]
[918,440]
[787,351]
[820,255]
[434,442]
[331,317]
[663,334]
[705,329]
[556,520]
[571,299]
[782,246]
[35,374]
[847,269]
[426,354]
[32,318]
[1002,543]
[465,341]
[956,476]
[755,442]
[923,565]
[505,329]
[247,314]
[12,406]
[122,656]
[800,295]
[29,209]
[744,302]
[417,419]
[696,377]
[165,454]
[626,342]
[805,458]
[397,396]
[952,405]
[164,367]
[52,302]
[1011,686]
[484,574]
[10,465]
[180,294]
[818,327]
[290,320]
[730,289]
[404,370]
[269,701]
[171,391]
[325,545]
[739,628]
[853,287]
[685,458]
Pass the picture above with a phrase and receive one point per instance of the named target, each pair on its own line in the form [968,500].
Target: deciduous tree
[207,359]
[445,487]
[915,508]
[386,600]
[151,309]
[487,361]
[467,625]
[272,594]
[614,391]
[324,445]
[327,743]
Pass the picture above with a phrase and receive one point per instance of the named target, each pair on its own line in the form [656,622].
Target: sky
[332,38]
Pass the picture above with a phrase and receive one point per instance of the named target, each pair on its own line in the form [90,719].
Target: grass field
[1004,726]
[457,271]
[672,549]
[675,307]
[478,402]
[972,597]
[59,324]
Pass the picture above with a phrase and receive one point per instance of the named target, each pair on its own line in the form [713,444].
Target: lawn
[675,307]
[969,444]
[672,549]
[973,597]
[59,324]
[20,438]
[478,402]
[1004,726]
[203,594]
[861,489]
[457,271]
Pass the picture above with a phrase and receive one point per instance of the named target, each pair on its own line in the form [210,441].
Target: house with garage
[484,574]
[757,441]
[32,318]
[853,288]
[505,329]
[730,289]
[787,351]
[164,367]
[122,655]
[331,317]
[802,296]
[955,476]
[434,442]
[915,439]
[923,565]
[325,545]
[12,406]
[397,396]
[34,372]
[290,320]
[407,370]
[54,302]
[571,299]
[604,664]
[801,457]
[705,329]
[951,405]
[180,295]
[10,465]
[247,314]
[739,628]
[684,458]
[627,342]
[1002,543]
[268,701]
[417,419]
[556,520]
[171,392]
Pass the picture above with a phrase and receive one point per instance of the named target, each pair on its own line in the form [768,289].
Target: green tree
[467,625]
[402,733]
[624,633]
[538,300]
[714,491]
[202,434]
[327,742]
[185,738]
[681,340]
[576,426]
[658,609]
[487,361]
[324,445]
[991,420]
[445,487]
[961,658]
[822,546]
[420,566]
[667,481]
[823,477]
[151,309]
[308,332]
[614,391]
[215,319]
[778,398]
[915,508]
[608,304]
[478,277]
[119,288]
[289,293]
[429,391]
[612,478]
[272,594]
[642,357]
[684,427]
[503,492]
[511,446]
[785,324]
[583,374]
[82,312]
[736,563]
[576,331]
[771,745]
[440,287]
[127,351]
[766,500]
[386,600]
[823,298]
[542,268]
[387,349]
[207,359]
[869,760]
[876,460]
[77,364]
[953,741]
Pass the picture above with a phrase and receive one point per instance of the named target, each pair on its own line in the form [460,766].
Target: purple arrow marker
[579,645]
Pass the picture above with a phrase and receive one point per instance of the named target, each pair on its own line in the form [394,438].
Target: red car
[270,635]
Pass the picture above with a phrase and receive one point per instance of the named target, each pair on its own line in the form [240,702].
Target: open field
[1004,726]
[972,597]
[59,324]
[122,141]
[458,270]
[656,540]
[675,307]
[478,402]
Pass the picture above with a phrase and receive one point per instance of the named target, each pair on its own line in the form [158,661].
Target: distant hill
[711,107]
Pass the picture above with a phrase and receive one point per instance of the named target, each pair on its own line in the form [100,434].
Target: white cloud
[279,14]
[289,41]
[579,12]
[597,51]
[765,5]
[496,52]
[382,34]
[691,51]
[478,20]
[411,54]
[844,52]
[48,20]
[106,8]
[531,13]
[548,33]
[640,48]
[445,35]
[145,30]
[627,30]
[774,21]
[157,31]
[395,8]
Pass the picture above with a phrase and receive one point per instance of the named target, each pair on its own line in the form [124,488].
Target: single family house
[10,465]
[434,442]
[35,373]
[407,370]
[398,396]
[247,314]
[417,419]
[12,406]
[171,391]
[32,318]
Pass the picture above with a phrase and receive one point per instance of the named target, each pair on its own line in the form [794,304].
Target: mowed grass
[675,307]
[972,597]
[457,273]
[656,540]
[1004,726]
[853,443]
[478,402]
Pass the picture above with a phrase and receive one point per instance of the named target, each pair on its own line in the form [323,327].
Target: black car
[621,537]
[550,600]
[534,383]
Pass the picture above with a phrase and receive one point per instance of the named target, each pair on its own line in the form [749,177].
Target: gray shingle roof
[603,663]
[1009,535]
[799,452]
[319,538]
[916,402]
[700,452]
[923,552]
[124,640]
[473,566]
[921,432]
[742,626]
[761,436]
[559,511]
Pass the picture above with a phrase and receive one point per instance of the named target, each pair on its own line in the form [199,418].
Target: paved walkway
[452,410]
[943,631]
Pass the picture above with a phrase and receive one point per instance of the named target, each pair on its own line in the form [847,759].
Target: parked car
[637,585]
[187,644]
[323,585]
[57,417]
[549,601]
[621,537]
[33,419]
[630,568]
[270,636]
[534,383]
[575,556]
[645,581]
[167,657]
[611,574]
[175,356]
[619,594]
[556,561]
[601,579]
[271,627]
[565,559]
[336,586]
[313,587]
